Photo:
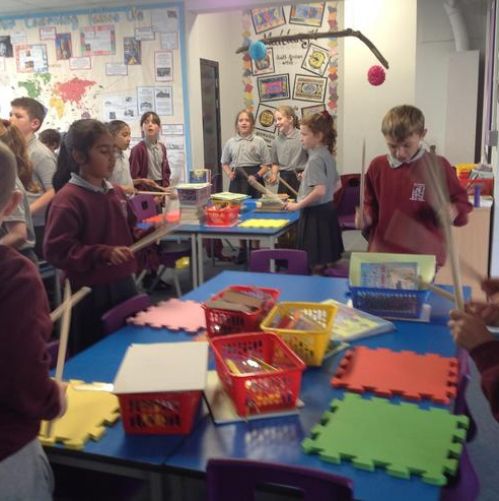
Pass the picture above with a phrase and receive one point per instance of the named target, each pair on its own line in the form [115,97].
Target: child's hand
[272,179]
[63,402]
[231,175]
[152,184]
[468,331]
[488,312]
[292,206]
[120,255]
[362,220]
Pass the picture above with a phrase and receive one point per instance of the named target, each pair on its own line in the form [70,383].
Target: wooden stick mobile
[301,37]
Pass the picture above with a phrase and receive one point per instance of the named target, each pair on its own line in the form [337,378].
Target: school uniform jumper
[318,228]
[245,154]
[399,202]
[486,358]
[140,160]
[288,153]
[84,224]
[27,394]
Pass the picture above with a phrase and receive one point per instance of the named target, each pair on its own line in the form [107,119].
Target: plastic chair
[347,199]
[116,317]
[230,479]
[143,206]
[296,261]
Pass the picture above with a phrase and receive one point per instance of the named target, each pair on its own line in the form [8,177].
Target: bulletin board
[105,63]
[303,75]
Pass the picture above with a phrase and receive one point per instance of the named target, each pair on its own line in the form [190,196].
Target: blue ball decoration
[257,50]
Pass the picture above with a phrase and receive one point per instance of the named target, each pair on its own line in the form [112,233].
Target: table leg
[194,265]
[200,260]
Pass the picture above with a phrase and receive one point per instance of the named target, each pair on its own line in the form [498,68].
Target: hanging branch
[300,37]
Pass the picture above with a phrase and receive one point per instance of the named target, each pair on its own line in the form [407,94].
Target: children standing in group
[27,115]
[288,156]
[318,228]
[245,154]
[17,229]
[148,159]
[27,393]
[399,206]
[88,231]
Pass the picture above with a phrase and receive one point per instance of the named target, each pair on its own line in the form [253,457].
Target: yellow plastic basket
[311,332]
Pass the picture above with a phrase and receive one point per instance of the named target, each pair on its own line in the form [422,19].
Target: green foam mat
[403,438]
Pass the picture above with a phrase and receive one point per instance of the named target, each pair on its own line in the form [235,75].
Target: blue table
[268,236]
[174,459]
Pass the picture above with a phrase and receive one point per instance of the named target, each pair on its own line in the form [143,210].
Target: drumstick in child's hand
[288,186]
[63,342]
[362,184]
[153,193]
[75,299]
[152,237]
[259,187]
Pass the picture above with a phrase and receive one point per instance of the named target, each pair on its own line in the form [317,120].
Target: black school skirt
[319,234]
[290,177]
[240,184]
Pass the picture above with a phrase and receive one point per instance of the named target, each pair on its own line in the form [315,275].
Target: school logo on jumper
[418,192]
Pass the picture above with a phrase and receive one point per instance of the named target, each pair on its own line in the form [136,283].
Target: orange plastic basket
[221,322]
[221,216]
[159,413]
[253,393]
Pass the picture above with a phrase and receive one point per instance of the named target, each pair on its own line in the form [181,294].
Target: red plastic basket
[486,184]
[253,393]
[221,322]
[221,216]
[159,413]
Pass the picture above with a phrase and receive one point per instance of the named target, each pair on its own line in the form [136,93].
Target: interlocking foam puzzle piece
[173,314]
[388,373]
[402,438]
[263,223]
[87,413]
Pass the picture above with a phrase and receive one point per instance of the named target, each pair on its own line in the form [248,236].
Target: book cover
[389,275]
[350,323]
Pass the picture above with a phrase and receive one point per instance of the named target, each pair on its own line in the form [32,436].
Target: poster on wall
[132,51]
[168,41]
[273,88]
[6,47]
[80,63]
[264,119]
[307,14]
[144,33]
[316,59]
[120,107]
[47,33]
[163,100]
[306,111]
[163,66]
[268,137]
[32,58]
[307,88]
[116,69]
[63,47]
[145,99]
[98,40]
[267,18]
[165,20]
[265,65]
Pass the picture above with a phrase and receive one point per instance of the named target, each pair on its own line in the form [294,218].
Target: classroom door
[210,102]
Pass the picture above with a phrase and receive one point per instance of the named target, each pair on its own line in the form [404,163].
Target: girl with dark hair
[88,231]
[148,159]
[318,228]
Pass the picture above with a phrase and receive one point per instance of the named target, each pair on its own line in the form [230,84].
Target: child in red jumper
[398,207]
[88,231]
[27,394]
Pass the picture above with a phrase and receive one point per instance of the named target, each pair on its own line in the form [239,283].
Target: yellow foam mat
[263,223]
[86,416]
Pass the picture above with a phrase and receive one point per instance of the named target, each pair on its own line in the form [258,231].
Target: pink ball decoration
[376,75]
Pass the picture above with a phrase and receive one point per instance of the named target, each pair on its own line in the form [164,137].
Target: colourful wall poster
[31,58]
[267,18]
[273,88]
[308,14]
[132,51]
[63,47]
[307,88]
[163,66]
[98,40]
[265,118]
[265,65]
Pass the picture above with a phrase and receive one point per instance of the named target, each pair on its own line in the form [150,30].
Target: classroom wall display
[106,63]
[294,73]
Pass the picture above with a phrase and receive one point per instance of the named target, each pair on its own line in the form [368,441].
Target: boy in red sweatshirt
[27,394]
